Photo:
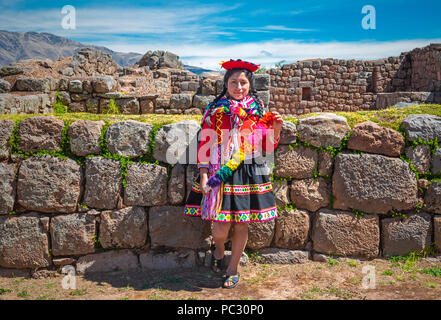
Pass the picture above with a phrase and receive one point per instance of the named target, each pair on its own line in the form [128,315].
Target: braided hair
[252,92]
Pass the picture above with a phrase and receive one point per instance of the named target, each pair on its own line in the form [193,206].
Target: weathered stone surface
[129,138]
[437,232]
[72,234]
[436,162]
[177,142]
[85,137]
[49,184]
[260,235]
[281,192]
[323,130]
[167,261]
[168,226]
[103,183]
[128,106]
[146,185]
[373,138]
[23,242]
[373,183]
[292,229]
[424,126]
[296,162]
[283,256]
[76,86]
[288,134]
[8,104]
[7,187]
[200,101]
[310,194]
[5,86]
[341,232]
[399,237]
[124,228]
[325,163]
[14,273]
[40,132]
[63,261]
[262,82]
[191,175]
[103,84]
[420,157]
[114,261]
[180,100]
[33,84]
[176,185]
[432,198]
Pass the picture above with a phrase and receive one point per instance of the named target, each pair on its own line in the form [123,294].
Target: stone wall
[159,85]
[351,85]
[339,191]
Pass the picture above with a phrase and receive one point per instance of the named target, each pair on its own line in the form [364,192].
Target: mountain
[16,46]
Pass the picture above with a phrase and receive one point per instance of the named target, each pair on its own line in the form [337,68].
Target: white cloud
[268,53]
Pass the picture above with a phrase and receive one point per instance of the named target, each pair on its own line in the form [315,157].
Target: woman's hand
[277,124]
[204,180]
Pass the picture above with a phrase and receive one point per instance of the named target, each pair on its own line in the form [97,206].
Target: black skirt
[247,196]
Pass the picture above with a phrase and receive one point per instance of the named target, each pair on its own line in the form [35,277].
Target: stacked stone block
[56,211]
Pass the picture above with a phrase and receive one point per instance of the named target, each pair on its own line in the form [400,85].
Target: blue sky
[205,32]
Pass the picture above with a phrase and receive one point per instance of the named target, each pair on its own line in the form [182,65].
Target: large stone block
[373,183]
[436,162]
[402,236]
[424,126]
[103,183]
[295,162]
[177,142]
[176,185]
[420,157]
[166,261]
[40,132]
[73,234]
[260,235]
[129,138]
[288,134]
[181,100]
[85,136]
[343,233]
[432,198]
[310,194]
[49,184]
[7,187]
[124,228]
[103,84]
[23,242]
[292,229]
[33,84]
[146,185]
[323,130]
[168,226]
[371,137]
[115,261]
[437,232]
[283,256]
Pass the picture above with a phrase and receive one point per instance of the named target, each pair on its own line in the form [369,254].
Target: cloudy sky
[205,32]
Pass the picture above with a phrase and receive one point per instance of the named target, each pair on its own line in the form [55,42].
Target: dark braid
[259,102]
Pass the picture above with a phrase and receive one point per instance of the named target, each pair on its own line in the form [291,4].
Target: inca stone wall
[353,85]
[102,199]
[89,80]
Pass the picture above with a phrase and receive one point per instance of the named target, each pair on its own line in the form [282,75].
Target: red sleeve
[208,136]
[268,144]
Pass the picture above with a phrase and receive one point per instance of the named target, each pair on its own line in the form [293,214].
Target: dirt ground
[336,279]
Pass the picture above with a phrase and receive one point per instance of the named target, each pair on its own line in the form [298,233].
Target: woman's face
[238,85]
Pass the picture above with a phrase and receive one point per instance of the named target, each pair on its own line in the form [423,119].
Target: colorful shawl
[238,110]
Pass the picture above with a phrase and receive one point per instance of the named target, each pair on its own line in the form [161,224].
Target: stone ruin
[158,84]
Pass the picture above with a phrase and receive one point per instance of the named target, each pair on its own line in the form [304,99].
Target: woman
[232,187]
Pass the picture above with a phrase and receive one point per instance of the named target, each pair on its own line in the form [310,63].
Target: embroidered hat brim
[233,64]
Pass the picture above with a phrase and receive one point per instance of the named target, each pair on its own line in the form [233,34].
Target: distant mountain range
[16,46]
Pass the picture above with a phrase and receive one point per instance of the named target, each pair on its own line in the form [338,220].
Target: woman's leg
[220,236]
[238,243]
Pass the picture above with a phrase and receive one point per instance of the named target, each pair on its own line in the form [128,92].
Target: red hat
[232,64]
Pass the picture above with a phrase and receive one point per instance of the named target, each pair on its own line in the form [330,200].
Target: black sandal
[216,263]
[233,279]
